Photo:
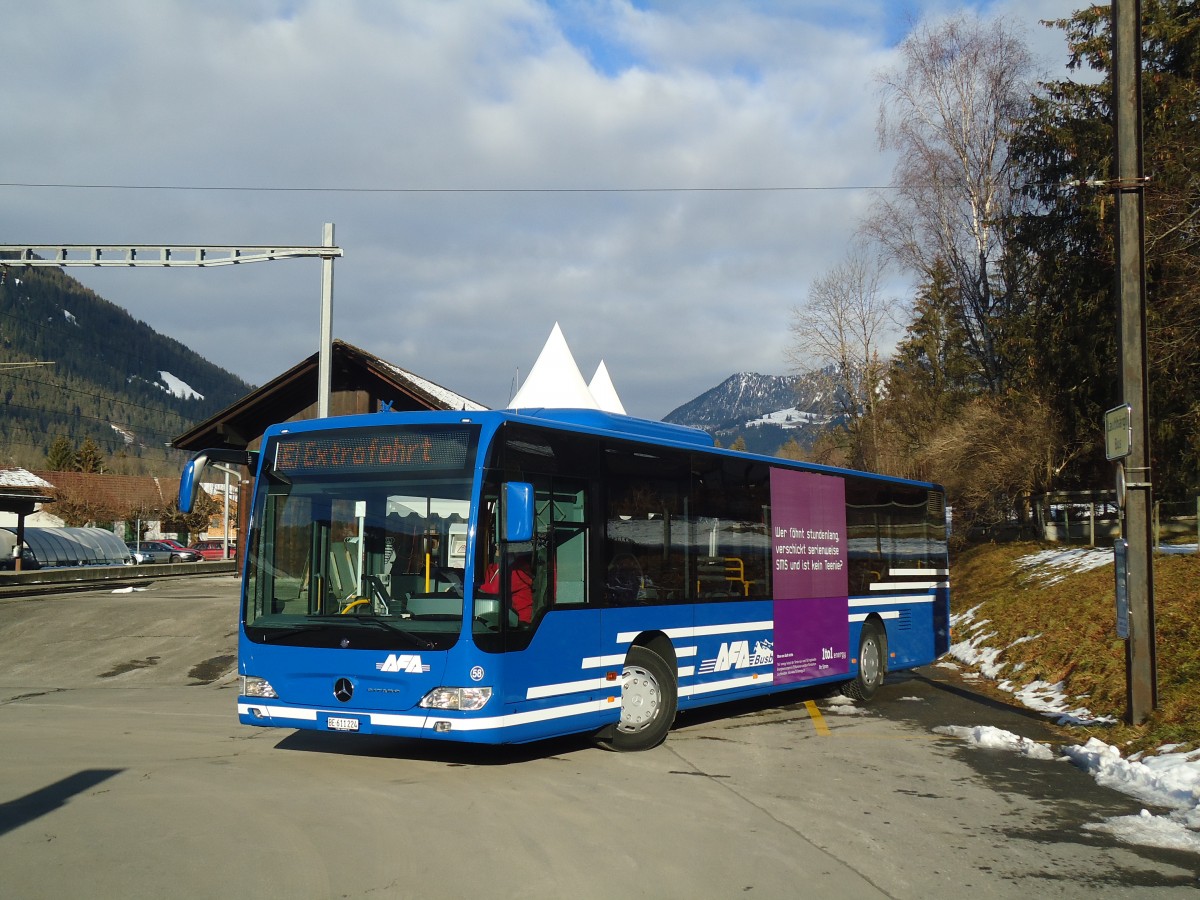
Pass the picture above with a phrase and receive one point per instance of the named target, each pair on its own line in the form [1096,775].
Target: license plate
[336,724]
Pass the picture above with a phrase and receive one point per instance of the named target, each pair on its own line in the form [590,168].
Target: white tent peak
[601,388]
[555,380]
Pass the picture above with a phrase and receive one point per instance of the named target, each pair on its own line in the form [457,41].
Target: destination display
[808,554]
[384,450]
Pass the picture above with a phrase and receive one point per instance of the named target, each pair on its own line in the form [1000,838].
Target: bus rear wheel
[872,662]
[649,698]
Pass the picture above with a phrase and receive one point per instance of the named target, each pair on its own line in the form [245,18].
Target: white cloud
[675,290]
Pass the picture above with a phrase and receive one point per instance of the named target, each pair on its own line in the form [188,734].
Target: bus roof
[588,420]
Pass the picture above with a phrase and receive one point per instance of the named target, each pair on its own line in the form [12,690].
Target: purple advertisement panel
[808,554]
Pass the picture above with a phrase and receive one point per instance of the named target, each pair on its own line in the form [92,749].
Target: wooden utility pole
[1129,188]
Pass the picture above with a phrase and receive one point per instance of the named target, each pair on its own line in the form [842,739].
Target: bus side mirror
[189,481]
[517,518]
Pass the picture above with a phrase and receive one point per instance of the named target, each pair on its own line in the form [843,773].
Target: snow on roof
[445,396]
[13,478]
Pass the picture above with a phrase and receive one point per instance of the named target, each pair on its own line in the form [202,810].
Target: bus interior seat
[341,573]
[721,576]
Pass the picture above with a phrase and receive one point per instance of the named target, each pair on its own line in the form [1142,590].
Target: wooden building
[360,383]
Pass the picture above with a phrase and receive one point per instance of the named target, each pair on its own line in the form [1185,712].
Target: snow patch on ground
[1169,781]
[1052,566]
[844,706]
[992,738]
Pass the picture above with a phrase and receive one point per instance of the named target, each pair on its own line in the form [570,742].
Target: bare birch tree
[948,110]
[838,332]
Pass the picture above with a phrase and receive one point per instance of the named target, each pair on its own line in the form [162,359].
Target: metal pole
[325,356]
[225,541]
[1140,657]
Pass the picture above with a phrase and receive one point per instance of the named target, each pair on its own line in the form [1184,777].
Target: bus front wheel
[649,698]
[872,663]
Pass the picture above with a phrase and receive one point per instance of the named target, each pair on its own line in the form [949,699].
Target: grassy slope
[1075,623]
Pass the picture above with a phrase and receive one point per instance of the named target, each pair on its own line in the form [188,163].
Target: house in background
[360,383]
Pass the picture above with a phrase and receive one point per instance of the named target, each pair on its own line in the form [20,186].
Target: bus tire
[649,699]
[872,662]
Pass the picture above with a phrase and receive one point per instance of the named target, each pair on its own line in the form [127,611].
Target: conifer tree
[89,458]
[61,456]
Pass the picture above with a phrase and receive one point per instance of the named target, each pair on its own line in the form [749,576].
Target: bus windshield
[350,557]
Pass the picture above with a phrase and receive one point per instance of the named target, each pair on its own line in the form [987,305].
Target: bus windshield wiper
[274,632]
[395,629]
[339,619]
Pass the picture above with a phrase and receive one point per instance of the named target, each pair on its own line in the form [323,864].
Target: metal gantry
[152,255]
[194,256]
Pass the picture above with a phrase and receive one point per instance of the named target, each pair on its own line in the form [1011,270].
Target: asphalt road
[127,775]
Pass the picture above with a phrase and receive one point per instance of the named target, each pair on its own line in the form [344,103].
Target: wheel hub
[640,699]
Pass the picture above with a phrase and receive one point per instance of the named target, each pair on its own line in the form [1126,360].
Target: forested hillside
[75,366]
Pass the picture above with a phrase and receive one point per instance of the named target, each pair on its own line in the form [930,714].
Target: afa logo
[737,655]
[402,662]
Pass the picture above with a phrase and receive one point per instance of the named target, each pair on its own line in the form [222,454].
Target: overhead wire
[335,189]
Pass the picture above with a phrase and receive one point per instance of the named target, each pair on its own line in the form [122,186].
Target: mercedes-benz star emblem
[343,690]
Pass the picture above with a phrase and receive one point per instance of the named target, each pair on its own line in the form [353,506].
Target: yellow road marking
[818,720]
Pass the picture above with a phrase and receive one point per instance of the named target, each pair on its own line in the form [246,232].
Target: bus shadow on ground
[451,754]
[787,702]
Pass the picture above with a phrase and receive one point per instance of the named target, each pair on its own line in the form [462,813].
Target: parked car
[180,553]
[174,551]
[214,549]
[146,552]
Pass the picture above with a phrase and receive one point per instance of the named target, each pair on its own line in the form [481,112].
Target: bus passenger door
[550,641]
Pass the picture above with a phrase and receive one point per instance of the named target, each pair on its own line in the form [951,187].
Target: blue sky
[475,134]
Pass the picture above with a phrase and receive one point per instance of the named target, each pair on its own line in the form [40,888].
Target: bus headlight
[468,698]
[253,686]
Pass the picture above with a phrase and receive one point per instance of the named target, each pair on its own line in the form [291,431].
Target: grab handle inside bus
[189,481]
[516,518]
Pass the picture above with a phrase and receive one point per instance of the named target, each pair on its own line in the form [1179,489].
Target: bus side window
[569,531]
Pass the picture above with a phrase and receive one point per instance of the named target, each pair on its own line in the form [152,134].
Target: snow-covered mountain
[765,410]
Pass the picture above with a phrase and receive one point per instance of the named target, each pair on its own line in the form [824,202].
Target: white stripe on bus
[886,614]
[522,718]
[626,637]
[617,659]
[727,684]
[429,720]
[278,712]
[541,691]
[891,601]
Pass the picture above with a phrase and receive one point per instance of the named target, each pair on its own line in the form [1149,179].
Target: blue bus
[508,576]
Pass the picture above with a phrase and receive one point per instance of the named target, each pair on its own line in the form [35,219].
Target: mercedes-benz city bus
[501,576]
